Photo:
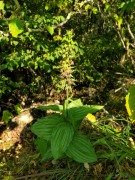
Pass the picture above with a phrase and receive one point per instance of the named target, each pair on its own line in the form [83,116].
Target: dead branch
[130,32]
[39,174]
[65,21]
[122,39]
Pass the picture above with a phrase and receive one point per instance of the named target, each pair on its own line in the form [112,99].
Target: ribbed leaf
[61,137]
[81,150]
[130,103]
[75,103]
[77,114]
[43,127]
[44,148]
[51,107]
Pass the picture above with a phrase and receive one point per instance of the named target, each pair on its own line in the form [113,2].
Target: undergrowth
[114,144]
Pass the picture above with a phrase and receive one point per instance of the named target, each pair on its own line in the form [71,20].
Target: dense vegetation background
[46,47]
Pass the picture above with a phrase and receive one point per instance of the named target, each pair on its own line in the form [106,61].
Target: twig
[36,30]
[39,174]
[4,34]
[130,32]
[54,27]
[17,4]
[59,25]
[65,21]
[122,39]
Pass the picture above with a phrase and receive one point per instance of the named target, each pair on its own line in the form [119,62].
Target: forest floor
[116,153]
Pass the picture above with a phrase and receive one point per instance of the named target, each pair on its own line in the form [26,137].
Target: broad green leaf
[107,6]
[122,5]
[75,103]
[81,150]
[15,27]
[51,107]
[61,137]
[6,116]
[18,108]
[87,7]
[15,43]
[44,148]
[120,20]
[77,114]
[50,29]
[95,10]
[130,103]
[116,17]
[43,128]
[128,6]
[2,5]
[48,7]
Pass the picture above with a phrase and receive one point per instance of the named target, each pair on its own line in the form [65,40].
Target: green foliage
[130,103]
[18,108]
[61,138]
[44,127]
[48,45]
[114,144]
[81,150]
[61,132]
[50,29]
[52,107]
[1,5]
[6,116]
[44,148]
[128,6]
[75,103]
[15,27]
[76,114]
[64,42]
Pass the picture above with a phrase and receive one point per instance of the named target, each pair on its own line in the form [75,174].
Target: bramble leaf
[50,29]
[15,27]
[2,5]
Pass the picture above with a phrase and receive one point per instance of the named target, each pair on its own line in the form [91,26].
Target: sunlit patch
[91,117]
[127,105]
[130,103]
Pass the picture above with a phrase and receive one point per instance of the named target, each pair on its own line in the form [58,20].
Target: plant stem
[17,4]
